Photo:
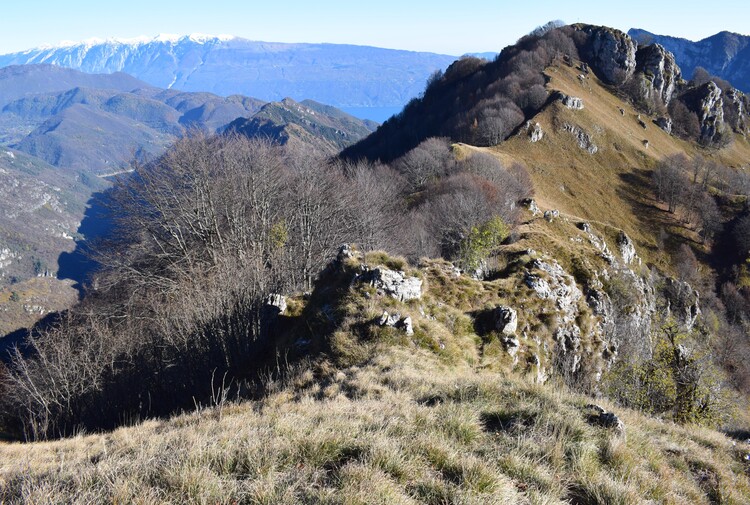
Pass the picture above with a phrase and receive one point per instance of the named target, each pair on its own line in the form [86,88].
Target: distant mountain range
[725,55]
[340,75]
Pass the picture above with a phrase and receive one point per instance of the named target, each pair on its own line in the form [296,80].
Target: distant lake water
[379,114]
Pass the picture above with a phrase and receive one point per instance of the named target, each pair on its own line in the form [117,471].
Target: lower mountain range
[63,131]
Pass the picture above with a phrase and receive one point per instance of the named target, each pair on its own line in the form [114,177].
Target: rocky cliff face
[737,103]
[660,71]
[708,103]
[725,54]
[610,52]
[655,79]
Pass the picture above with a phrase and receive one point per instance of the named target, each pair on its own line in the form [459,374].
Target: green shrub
[679,380]
[480,242]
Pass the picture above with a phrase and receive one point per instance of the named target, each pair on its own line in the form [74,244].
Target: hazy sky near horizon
[451,27]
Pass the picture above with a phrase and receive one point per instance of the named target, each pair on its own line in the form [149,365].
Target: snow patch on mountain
[171,38]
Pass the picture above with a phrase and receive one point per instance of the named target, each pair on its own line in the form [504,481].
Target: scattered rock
[551,215]
[645,143]
[600,417]
[389,320]
[506,320]
[584,139]
[395,321]
[642,123]
[622,112]
[536,133]
[530,204]
[392,283]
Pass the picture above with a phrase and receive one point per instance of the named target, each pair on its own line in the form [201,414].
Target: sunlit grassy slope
[403,428]
[613,185]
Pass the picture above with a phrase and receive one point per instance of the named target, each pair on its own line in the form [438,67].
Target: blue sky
[451,27]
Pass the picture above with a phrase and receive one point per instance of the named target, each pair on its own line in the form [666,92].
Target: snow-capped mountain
[341,75]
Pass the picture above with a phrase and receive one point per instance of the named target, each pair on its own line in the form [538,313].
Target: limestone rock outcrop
[710,108]
[683,302]
[392,283]
[535,132]
[345,252]
[736,100]
[572,102]
[626,248]
[506,320]
[396,321]
[660,72]
[610,53]
[664,123]
[550,281]
[530,204]
[583,139]
[275,304]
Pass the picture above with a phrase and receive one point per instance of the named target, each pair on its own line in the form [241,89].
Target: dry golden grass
[404,428]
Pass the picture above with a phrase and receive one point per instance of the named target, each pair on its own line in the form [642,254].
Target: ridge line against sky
[437,26]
